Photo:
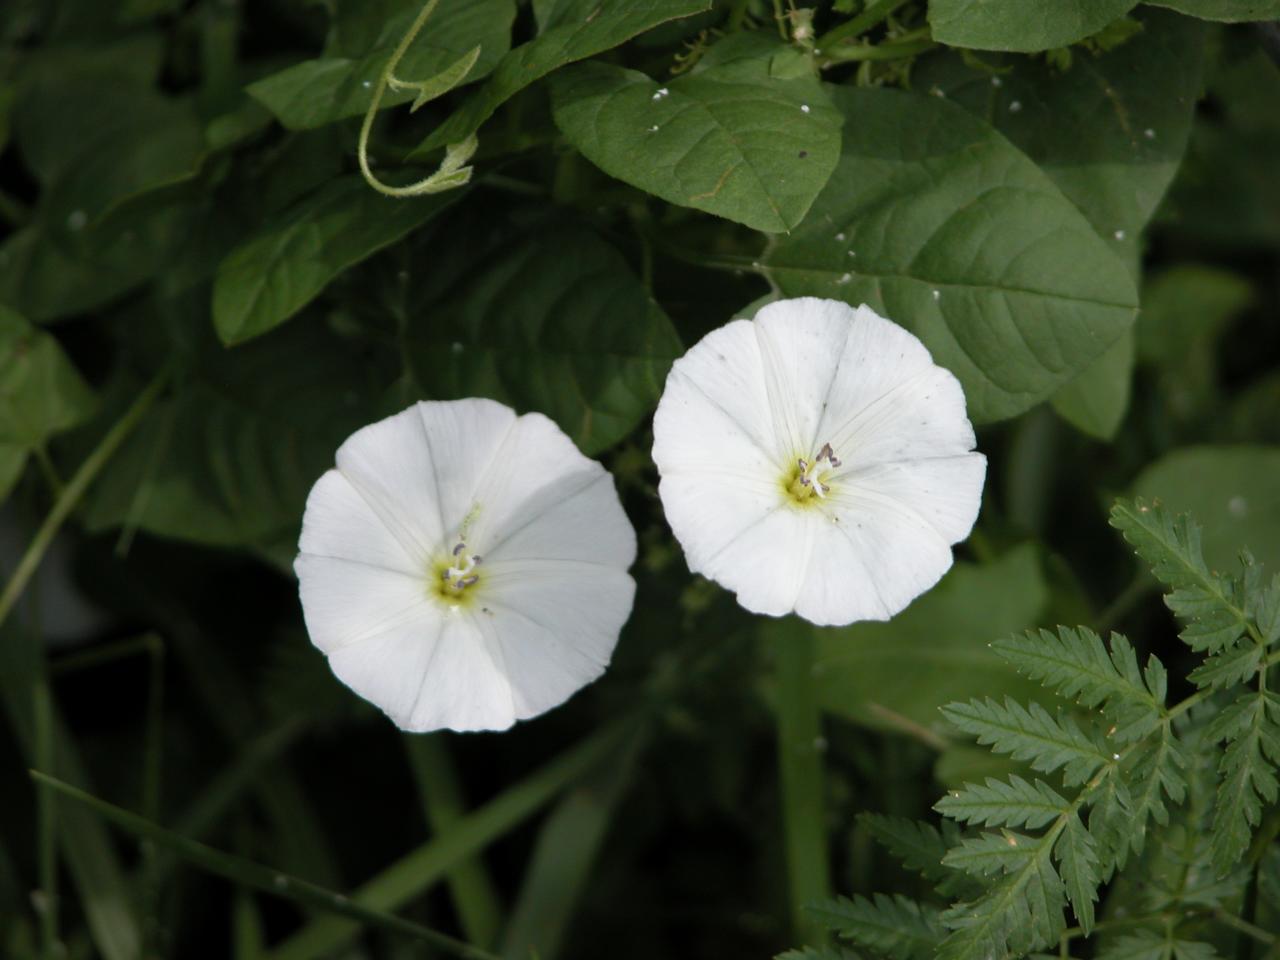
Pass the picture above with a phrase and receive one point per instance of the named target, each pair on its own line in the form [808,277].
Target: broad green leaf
[41,392]
[583,30]
[890,675]
[559,325]
[938,222]
[13,457]
[895,927]
[1022,25]
[1226,11]
[1204,601]
[256,876]
[275,273]
[340,83]
[228,457]
[1109,138]
[1230,490]
[735,139]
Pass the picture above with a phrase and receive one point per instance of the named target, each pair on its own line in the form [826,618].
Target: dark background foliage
[179,191]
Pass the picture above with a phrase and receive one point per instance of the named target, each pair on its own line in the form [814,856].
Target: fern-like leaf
[989,854]
[1077,664]
[895,927]
[1251,727]
[1155,772]
[920,847]
[1032,735]
[1263,605]
[1229,667]
[1021,913]
[999,803]
[1205,602]
[1081,870]
[818,953]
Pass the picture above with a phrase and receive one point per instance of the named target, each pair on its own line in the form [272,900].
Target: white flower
[464,567]
[815,460]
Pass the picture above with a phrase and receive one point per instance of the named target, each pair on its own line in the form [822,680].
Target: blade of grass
[565,853]
[246,873]
[411,875]
[90,859]
[473,892]
[800,769]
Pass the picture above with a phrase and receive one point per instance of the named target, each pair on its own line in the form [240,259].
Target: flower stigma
[811,477]
[458,574]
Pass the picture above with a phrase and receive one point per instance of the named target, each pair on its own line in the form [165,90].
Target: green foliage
[1226,11]
[736,137]
[921,187]
[1025,25]
[1154,793]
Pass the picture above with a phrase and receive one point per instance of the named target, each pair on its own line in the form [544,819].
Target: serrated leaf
[1224,11]
[921,847]
[1032,735]
[557,324]
[275,273]
[897,927]
[1229,667]
[990,854]
[1263,605]
[1077,855]
[1251,726]
[1022,25]
[734,139]
[1203,601]
[938,222]
[463,40]
[1143,945]
[1079,665]
[818,953]
[1023,912]
[582,31]
[1011,803]
[1155,772]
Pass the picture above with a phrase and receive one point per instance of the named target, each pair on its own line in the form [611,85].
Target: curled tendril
[453,171]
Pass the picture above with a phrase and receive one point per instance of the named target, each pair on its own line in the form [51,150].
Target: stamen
[808,479]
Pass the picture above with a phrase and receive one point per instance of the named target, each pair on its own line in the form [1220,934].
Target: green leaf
[734,139]
[1096,401]
[1004,803]
[41,392]
[1023,25]
[274,274]
[340,83]
[1251,727]
[1143,945]
[938,222]
[1021,913]
[1225,11]
[1077,855]
[893,675]
[896,927]
[228,457]
[1204,601]
[558,324]
[1078,665]
[1228,489]
[249,874]
[1032,735]
[1234,665]
[991,854]
[583,30]
[1155,772]
[818,953]
[920,847]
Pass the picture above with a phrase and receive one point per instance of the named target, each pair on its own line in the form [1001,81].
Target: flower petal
[399,466]
[945,492]
[467,684]
[346,601]
[766,563]
[339,523]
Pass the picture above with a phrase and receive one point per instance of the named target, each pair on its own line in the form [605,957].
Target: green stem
[48,469]
[47,820]
[800,747]
[908,45]
[74,490]
[876,12]
[474,895]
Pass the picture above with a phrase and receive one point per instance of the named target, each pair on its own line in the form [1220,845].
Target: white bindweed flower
[463,567]
[816,460]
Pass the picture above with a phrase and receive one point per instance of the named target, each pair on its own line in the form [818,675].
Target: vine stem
[876,12]
[73,491]
[800,769]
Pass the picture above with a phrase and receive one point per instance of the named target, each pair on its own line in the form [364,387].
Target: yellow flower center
[454,579]
[810,479]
